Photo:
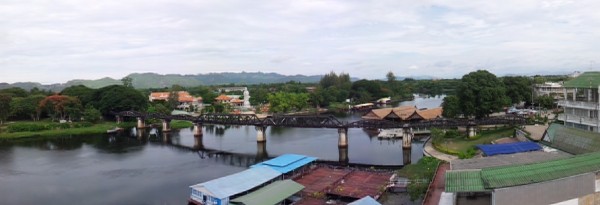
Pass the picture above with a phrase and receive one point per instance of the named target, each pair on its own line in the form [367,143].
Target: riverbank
[28,129]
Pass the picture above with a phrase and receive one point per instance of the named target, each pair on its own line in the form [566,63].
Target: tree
[545,101]
[83,93]
[26,107]
[391,78]
[451,106]
[282,102]
[159,108]
[127,82]
[481,93]
[117,98]
[366,90]
[15,92]
[61,106]
[91,114]
[518,88]
[5,100]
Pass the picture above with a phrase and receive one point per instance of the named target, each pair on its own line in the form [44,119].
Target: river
[157,169]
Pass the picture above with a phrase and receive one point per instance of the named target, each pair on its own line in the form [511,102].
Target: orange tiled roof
[223,98]
[403,113]
[235,100]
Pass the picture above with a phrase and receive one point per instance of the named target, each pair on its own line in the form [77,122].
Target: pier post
[407,137]
[261,134]
[343,137]
[166,125]
[119,119]
[343,154]
[141,123]
[197,129]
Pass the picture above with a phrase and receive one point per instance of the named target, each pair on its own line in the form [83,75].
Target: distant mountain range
[153,80]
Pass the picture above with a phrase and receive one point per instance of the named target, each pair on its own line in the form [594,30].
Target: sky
[53,41]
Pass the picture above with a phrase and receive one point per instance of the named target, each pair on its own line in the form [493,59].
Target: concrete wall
[549,192]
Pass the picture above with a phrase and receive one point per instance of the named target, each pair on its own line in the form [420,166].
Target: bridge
[318,121]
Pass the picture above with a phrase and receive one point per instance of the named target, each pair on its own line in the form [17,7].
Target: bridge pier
[166,125]
[261,134]
[166,137]
[119,119]
[198,143]
[406,156]
[407,137]
[141,123]
[140,133]
[343,137]
[261,151]
[197,129]
[343,154]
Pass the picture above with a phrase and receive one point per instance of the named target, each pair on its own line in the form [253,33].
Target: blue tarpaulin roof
[367,200]
[286,163]
[239,182]
[509,148]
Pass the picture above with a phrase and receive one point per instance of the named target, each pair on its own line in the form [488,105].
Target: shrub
[26,127]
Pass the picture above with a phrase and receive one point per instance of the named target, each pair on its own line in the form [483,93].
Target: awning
[270,194]
[367,200]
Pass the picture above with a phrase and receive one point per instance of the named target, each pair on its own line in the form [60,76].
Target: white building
[581,103]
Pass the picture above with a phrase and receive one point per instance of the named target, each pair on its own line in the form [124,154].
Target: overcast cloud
[57,40]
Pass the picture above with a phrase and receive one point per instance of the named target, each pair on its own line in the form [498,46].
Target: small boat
[117,129]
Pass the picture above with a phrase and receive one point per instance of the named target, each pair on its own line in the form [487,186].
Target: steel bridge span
[318,121]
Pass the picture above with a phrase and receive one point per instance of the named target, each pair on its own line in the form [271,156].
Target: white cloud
[54,41]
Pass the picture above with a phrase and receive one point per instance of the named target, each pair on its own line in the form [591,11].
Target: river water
[152,168]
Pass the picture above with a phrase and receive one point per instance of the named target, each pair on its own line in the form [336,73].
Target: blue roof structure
[367,200]
[509,148]
[237,183]
[286,163]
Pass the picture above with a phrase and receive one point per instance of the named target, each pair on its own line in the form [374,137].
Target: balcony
[578,104]
[578,119]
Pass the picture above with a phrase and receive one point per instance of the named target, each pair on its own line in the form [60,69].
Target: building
[553,89]
[223,99]
[562,180]
[220,191]
[186,101]
[274,193]
[288,164]
[581,103]
[403,113]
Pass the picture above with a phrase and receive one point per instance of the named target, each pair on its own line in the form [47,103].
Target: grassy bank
[462,145]
[17,130]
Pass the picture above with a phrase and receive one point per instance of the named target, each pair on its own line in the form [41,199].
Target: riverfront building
[581,103]
[553,89]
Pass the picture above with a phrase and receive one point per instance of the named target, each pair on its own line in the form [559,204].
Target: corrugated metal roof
[287,162]
[508,148]
[585,80]
[572,140]
[239,182]
[367,200]
[270,194]
[506,159]
[464,181]
[515,175]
